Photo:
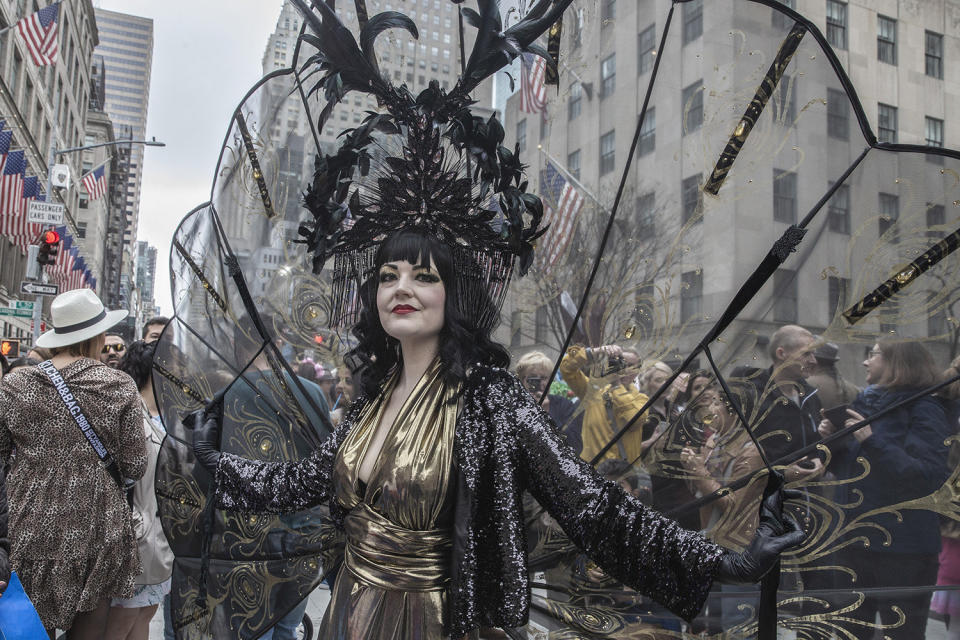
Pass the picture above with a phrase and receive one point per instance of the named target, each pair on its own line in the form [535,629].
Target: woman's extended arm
[632,543]
[265,487]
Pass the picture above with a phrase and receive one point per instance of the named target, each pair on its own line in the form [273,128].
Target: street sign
[45,212]
[21,304]
[16,313]
[39,288]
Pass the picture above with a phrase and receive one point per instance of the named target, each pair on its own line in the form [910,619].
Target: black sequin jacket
[505,444]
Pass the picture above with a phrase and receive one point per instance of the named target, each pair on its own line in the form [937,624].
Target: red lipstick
[403,309]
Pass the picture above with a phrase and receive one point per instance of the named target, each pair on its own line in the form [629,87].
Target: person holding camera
[77,428]
[534,369]
[603,378]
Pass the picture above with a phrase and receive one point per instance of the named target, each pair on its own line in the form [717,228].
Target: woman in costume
[427,471]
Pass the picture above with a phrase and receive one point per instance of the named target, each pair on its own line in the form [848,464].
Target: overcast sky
[206,55]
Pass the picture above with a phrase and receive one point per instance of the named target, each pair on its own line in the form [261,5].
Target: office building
[126,48]
[698,249]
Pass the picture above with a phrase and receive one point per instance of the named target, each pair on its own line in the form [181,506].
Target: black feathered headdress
[452,177]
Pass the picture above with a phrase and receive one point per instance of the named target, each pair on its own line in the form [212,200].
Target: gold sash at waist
[381,554]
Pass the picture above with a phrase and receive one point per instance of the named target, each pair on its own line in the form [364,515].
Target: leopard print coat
[72,542]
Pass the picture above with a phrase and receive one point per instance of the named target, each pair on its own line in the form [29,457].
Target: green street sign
[17,313]
[21,304]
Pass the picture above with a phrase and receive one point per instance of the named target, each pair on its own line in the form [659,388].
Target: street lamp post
[54,153]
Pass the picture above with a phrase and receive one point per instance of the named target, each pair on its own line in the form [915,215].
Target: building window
[936,219]
[648,133]
[692,105]
[542,326]
[838,210]
[786,100]
[886,123]
[692,198]
[784,196]
[934,55]
[516,324]
[522,135]
[575,102]
[608,75]
[785,295]
[934,129]
[937,323]
[647,48]
[84,203]
[646,215]
[934,137]
[889,213]
[692,20]
[608,10]
[691,296]
[573,164]
[836,295]
[886,40]
[838,115]
[608,155]
[781,20]
[578,28]
[837,24]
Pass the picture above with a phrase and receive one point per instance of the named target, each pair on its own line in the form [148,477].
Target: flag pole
[576,183]
[108,159]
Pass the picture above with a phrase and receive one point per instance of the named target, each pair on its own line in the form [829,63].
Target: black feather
[380,23]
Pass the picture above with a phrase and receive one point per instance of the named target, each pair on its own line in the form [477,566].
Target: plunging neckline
[362,485]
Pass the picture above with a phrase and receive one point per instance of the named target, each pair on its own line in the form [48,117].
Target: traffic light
[10,348]
[49,245]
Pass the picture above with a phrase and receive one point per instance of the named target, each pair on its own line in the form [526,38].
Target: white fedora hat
[78,315]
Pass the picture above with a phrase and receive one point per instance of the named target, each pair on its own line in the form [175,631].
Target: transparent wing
[245,304]
[757,196]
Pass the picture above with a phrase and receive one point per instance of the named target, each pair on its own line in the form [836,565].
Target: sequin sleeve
[632,543]
[278,487]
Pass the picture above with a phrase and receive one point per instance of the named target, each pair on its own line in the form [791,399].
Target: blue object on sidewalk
[18,618]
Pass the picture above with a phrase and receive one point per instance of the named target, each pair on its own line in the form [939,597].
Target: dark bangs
[417,248]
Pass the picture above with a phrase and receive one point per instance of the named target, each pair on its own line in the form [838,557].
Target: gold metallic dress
[398,530]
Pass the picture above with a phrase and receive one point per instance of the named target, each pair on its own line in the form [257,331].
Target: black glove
[777,532]
[4,569]
[206,434]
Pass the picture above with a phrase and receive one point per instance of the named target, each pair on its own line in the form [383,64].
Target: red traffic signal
[10,348]
[49,245]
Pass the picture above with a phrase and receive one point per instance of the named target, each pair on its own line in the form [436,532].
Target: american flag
[95,183]
[562,204]
[6,137]
[533,93]
[39,32]
[11,184]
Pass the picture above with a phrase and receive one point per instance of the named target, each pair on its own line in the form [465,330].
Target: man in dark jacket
[789,407]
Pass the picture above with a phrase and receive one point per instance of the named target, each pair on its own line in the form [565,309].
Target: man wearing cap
[77,428]
[831,386]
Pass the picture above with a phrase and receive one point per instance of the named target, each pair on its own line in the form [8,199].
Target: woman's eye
[386,276]
[428,277]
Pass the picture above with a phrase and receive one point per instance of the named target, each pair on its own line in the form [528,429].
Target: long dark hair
[462,343]
[137,362]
